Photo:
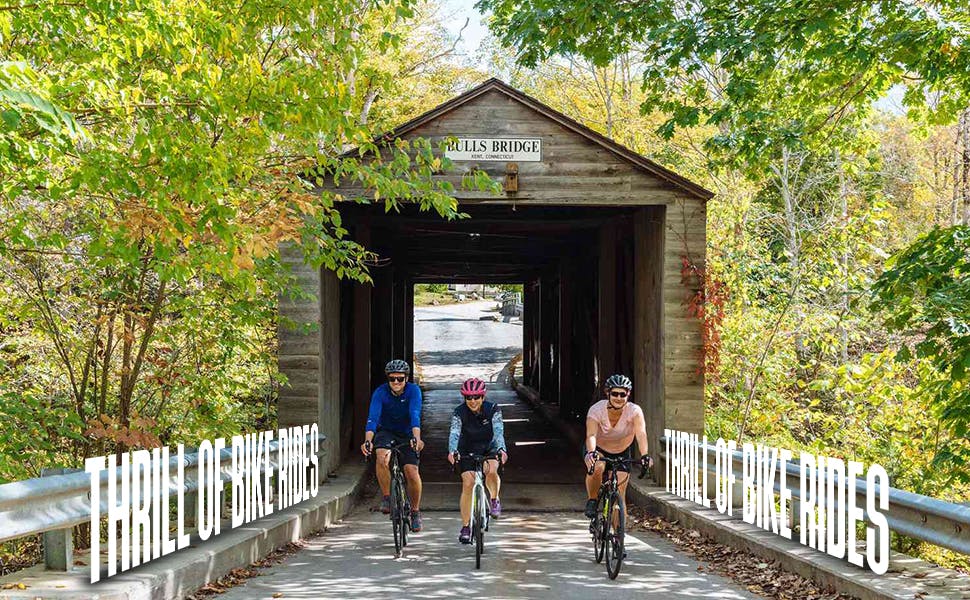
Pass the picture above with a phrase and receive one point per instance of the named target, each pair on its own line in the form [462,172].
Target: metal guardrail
[934,521]
[52,505]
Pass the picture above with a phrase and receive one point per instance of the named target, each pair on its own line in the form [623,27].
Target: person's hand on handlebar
[454,457]
[645,463]
[503,456]
[590,459]
[417,444]
[367,447]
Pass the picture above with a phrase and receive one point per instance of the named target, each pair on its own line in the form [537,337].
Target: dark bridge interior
[576,265]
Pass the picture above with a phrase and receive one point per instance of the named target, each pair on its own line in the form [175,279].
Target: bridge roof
[495,85]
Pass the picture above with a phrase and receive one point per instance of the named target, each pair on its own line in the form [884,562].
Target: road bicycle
[608,527]
[400,501]
[480,506]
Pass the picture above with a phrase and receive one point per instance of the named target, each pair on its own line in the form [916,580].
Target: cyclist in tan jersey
[611,426]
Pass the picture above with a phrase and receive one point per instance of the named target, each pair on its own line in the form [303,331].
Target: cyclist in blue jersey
[395,418]
[476,427]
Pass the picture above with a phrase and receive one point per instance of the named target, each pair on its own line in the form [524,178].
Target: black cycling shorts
[622,467]
[467,464]
[384,438]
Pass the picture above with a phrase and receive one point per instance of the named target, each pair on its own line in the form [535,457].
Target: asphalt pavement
[527,555]
[540,548]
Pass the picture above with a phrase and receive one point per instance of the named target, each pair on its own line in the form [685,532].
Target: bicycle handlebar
[616,461]
[611,461]
[478,458]
[394,446]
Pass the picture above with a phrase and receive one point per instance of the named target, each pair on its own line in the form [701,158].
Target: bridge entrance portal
[607,244]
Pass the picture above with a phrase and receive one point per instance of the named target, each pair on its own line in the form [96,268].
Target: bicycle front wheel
[616,532]
[405,514]
[598,530]
[477,534]
[397,516]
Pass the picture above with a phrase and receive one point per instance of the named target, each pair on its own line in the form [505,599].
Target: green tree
[762,71]
[153,157]
[925,295]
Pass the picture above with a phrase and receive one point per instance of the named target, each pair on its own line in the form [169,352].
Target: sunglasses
[474,397]
[397,379]
[618,394]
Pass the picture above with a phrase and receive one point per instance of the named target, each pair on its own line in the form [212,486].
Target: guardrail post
[737,490]
[225,506]
[58,544]
[191,497]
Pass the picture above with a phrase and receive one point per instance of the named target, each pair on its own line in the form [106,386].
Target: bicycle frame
[480,492]
[608,499]
[480,514]
[400,515]
[613,484]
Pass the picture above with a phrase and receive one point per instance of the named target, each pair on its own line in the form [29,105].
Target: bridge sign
[483,148]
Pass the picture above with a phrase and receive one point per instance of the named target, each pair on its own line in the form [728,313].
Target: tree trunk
[792,241]
[959,170]
[844,234]
[964,163]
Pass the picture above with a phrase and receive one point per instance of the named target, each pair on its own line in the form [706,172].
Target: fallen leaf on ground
[764,578]
[14,586]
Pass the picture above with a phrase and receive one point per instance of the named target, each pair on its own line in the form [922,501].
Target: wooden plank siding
[310,360]
[299,353]
[685,227]
[573,170]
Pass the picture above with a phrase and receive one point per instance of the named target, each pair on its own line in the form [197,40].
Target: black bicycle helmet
[618,381]
[397,366]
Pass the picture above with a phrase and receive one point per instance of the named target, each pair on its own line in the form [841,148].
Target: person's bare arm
[641,434]
[592,428]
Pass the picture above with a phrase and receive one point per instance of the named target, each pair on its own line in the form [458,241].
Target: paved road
[546,555]
[452,343]
[539,549]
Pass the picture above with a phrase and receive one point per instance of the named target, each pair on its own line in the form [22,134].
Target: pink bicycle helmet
[473,387]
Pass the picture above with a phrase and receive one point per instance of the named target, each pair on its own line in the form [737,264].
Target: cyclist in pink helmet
[476,427]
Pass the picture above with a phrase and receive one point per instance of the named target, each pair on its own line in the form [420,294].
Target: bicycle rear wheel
[616,532]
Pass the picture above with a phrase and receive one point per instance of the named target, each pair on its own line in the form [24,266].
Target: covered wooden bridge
[597,234]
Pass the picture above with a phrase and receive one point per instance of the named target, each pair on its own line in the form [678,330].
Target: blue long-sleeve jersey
[395,413]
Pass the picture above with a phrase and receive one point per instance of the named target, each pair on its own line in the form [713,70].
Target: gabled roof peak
[495,84]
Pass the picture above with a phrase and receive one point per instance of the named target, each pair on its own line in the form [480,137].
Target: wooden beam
[330,359]
[400,315]
[492,218]
[382,325]
[567,287]
[648,376]
[548,334]
[517,277]
[360,337]
[530,308]
[409,323]
[606,325]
